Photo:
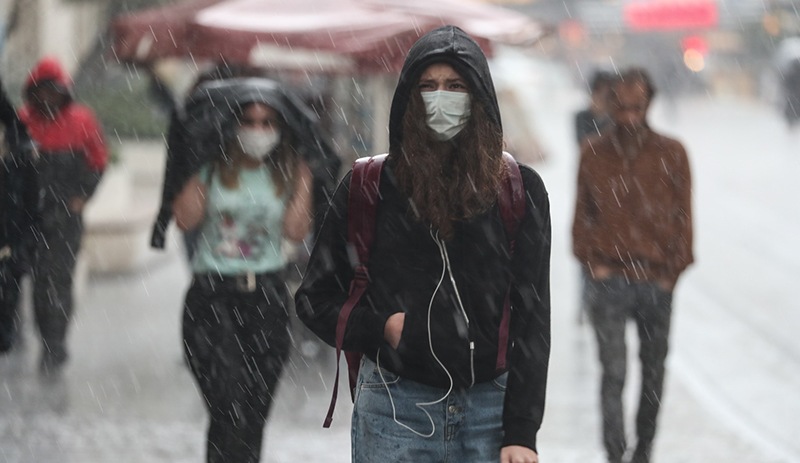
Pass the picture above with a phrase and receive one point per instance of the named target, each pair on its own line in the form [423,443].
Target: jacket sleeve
[680,249]
[177,171]
[22,185]
[326,283]
[16,134]
[583,220]
[94,144]
[530,323]
[23,211]
[30,217]
[582,128]
[96,152]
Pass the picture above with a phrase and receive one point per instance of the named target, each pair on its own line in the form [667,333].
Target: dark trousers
[236,343]
[9,300]
[53,271]
[611,303]
[791,109]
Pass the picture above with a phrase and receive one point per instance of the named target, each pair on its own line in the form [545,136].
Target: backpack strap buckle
[246,283]
[361,276]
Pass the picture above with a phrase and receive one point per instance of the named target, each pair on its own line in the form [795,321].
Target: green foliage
[125,109]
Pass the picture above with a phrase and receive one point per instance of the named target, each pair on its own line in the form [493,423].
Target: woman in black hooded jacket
[430,386]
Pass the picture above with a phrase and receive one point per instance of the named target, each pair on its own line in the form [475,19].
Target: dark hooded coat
[209,119]
[19,193]
[19,216]
[73,151]
[405,267]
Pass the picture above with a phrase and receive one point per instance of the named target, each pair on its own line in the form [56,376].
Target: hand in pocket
[393,329]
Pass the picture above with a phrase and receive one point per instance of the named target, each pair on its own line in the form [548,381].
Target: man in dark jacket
[429,325]
[632,232]
[791,93]
[72,158]
[590,122]
[18,216]
[594,119]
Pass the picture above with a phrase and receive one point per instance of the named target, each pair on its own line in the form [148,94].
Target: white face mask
[448,112]
[257,143]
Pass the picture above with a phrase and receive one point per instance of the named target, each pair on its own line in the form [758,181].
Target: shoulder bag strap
[512,211]
[362,205]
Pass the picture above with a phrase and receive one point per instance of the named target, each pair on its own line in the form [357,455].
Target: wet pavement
[733,371]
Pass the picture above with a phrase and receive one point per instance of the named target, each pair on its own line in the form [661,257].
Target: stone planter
[117,225]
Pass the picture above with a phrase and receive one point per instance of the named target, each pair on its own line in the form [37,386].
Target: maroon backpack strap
[512,211]
[362,205]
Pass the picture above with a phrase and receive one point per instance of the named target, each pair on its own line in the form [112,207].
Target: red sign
[676,14]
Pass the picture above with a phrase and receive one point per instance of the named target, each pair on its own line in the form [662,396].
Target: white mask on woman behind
[258,143]
[447,112]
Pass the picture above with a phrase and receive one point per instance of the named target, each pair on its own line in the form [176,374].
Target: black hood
[452,46]
[210,115]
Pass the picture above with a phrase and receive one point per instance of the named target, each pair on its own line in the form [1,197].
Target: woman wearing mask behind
[235,325]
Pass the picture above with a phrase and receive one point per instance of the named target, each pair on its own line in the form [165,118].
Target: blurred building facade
[35,28]
[720,46]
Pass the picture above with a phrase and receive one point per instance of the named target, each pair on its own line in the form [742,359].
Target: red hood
[48,68]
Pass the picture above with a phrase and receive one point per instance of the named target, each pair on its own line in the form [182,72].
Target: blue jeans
[466,426]
[612,302]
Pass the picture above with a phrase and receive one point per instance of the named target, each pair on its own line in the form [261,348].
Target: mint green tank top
[243,227]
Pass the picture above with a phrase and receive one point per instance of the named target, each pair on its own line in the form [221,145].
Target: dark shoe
[642,453]
[7,340]
[614,458]
[9,335]
[52,363]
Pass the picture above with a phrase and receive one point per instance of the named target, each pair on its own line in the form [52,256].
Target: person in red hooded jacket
[72,158]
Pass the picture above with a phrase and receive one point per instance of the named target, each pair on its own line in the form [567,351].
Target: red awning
[482,21]
[323,35]
[327,35]
[156,33]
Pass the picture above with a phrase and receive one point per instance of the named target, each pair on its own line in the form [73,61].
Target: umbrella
[363,36]
[485,23]
[155,33]
[209,119]
[329,35]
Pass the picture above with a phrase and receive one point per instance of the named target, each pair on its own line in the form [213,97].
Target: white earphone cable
[420,405]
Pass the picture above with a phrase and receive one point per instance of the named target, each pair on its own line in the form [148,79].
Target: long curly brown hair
[451,180]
